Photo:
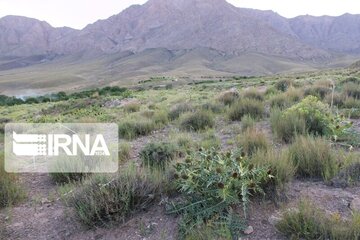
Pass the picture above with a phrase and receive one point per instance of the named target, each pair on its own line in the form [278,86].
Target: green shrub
[287,126]
[351,103]
[213,107]
[183,140]
[103,200]
[132,107]
[352,90]
[351,80]
[309,222]
[124,151]
[196,121]
[279,165]
[131,129]
[305,223]
[10,190]
[179,109]
[253,140]
[247,122]
[229,97]
[318,91]
[317,115]
[210,140]
[252,93]
[286,99]
[270,91]
[313,158]
[349,173]
[158,154]
[66,170]
[244,107]
[160,117]
[337,99]
[283,85]
[211,183]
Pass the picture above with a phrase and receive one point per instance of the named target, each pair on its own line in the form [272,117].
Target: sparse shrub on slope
[158,155]
[352,90]
[247,122]
[102,200]
[131,129]
[320,89]
[131,107]
[253,140]
[252,93]
[279,166]
[229,97]
[179,109]
[253,108]
[213,107]
[198,120]
[287,126]
[313,157]
[283,85]
[286,99]
[309,222]
[10,191]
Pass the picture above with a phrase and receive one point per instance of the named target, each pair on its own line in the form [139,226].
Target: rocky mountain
[188,24]
[21,36]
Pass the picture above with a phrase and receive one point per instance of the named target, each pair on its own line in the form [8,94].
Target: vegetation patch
[10,190]
[212,183]
[313,158]
[199,120]
[253,108]
[309,222]
[253,140]
[158,154]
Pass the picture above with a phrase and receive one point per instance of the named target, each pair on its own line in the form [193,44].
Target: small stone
[249,230]
[273,220]
[45,200]
[355,204]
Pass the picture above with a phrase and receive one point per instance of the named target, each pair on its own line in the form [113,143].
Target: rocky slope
[188,24]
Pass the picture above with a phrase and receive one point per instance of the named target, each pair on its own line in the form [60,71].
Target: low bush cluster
[229,97]
[309,222]
[199,120]
[10,190]
[102,200]
[253,108]
[133,128]
[313,158]
[179,109]
[158,154]
[253,140]
[287,126]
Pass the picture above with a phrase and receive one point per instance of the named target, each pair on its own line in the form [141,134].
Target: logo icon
[61,147]
[29,144]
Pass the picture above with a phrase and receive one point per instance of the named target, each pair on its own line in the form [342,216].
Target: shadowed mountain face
[192,36]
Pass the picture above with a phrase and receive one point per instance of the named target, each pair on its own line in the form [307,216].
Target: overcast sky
[79,13]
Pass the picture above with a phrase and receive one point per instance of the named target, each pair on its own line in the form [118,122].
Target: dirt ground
[44,216]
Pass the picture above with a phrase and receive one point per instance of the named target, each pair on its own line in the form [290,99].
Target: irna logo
[61,147]
[53,144]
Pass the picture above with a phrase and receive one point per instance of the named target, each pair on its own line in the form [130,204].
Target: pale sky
[79,13]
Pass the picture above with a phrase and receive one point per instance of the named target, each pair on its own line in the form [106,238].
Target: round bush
[158,155]
[246,106]
[199,120]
